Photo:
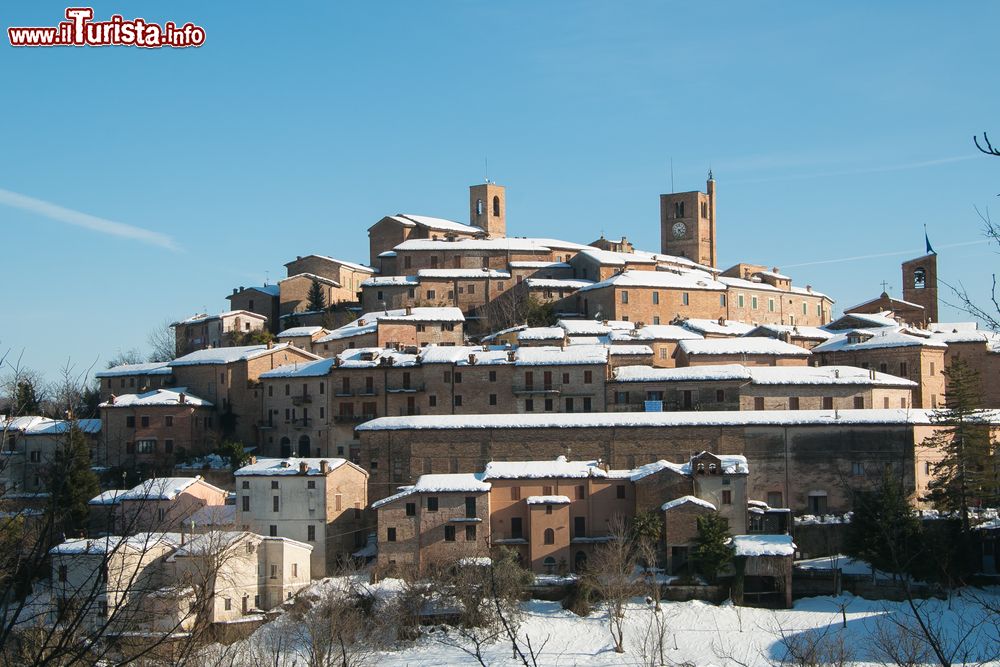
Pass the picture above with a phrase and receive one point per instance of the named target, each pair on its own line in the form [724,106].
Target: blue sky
[834,130]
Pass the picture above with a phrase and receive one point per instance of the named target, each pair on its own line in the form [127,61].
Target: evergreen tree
[26,399]
[884,531]
[965,473]
[713,546]
[315,301]
[71,483]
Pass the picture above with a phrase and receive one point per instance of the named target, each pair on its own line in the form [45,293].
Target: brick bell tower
[687,224]
[488,208]
[920,283]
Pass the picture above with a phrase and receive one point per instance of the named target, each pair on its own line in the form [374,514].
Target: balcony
[352,419]
[532,389]
[412,389]
[304,422]
[264,424]
[302,399]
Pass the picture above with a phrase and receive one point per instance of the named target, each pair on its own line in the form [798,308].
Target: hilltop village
[464,389]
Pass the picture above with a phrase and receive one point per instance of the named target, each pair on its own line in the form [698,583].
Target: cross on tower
[885,287]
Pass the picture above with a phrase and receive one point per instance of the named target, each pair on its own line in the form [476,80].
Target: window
[774,499]
[272,530]
[447,377]
[857,468]
[458,378]
[432,504]
[144,421]
[245,485]
[470,533]
[549,537]
[883,367]
[470,507]
[276,503]
[758,403]
[431,294]
[432,400]
[902,369]
[229,604]
[515,493]
[620,491]
[770,305]
[274,484]
[656,319]
[168,446]
[932,368]
[246,503]
[727,497]
[274,571]
[546,490]
[581,492]
[919,278]
[496,206]
[130,422]
[493,399]
[529,405]
[168,420]
[656,298]
[390,534]
[588,377]
[828,403]
[565,378]
[739,300]
[548,405]
[859,402]
[449,533]
[817,503]
[793,403]
[586,404]
[310,533]
[720,395]
[458,401]
[579,526]
[310,484]
[295,569]
[685,299]
[624,296]
[927,467]
[516,528]
[753,302]
[146,446]
[493,376]
[63,572]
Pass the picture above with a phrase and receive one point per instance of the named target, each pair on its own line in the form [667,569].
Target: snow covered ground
[698,633]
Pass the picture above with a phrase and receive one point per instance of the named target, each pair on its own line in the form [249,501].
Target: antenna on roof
[267,276]
[671,174]
[486,161]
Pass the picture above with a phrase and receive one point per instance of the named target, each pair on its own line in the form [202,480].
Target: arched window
[304,445]
[550,536]
[919,278]
[550,564]
[701,468]
[479,207]
[496,206]
[712,469]
[579,561]
[286,447]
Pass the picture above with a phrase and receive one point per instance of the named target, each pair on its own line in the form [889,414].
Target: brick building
[261,299]
[203,332]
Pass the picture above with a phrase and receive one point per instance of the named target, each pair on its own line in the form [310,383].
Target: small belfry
[687,224]
[920,281]
[488,208]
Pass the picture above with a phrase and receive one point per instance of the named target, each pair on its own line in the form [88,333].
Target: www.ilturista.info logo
[81,30]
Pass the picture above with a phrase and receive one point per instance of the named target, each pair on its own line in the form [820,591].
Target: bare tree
[611,576]
[162,343]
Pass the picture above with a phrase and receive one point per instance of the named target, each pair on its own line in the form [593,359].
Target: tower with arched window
[920,284]
[488,208]
[687,224]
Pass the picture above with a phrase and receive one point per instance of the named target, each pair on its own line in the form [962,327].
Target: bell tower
[488,208]
[920,284]
[687,224]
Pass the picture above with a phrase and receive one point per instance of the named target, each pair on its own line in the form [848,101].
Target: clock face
[679,229]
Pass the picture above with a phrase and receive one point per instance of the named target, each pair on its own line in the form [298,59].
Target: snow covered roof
[594,327]
[110,497]
[290,466]
[694,280]
[229,355]
[466,274]
[351,265]
[653,332]
[518,245]
[116,543]
[33,425]
[685,500]
[551,356]
[727,328]
[542,333]
[773,274]
[763,545]
[213,515]
[368,323]
[317,368]
[714,373]
[741,283]
[270,290]
[612,258]
[990,338]
[560,467]
[163,488]
[299,331]
[953,327]
[440,224]
[156,397]
[557,283]
[547,500]
[369,357]
[440,483]
[875,339]
[825,375]
[621,350]
[323,280]
[867,319]
[123,370]
[203,317]
[825,418]
[742,345]
[809,333]
[388,281]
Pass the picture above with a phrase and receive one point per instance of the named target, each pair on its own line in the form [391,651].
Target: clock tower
[687,224]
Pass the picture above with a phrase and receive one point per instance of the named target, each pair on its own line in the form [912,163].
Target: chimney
[253,460]
[409,310]
[472,359]
[111,399]
[303,467]
[182,398]
[809,288]
[234,290]
[324,466]
[270,344]
[511,355]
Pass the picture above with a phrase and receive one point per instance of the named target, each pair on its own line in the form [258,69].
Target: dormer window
[712,469]
[701,468]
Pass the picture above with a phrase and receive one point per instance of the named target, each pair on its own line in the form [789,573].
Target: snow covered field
[698,633]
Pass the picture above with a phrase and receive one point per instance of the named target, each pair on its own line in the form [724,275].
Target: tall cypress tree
[72,483]
[315,301]
[26,402]
[965,474]
[884,531]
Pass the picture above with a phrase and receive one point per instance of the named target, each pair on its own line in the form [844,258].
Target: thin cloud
[861,170]
[91,222]
[881,254]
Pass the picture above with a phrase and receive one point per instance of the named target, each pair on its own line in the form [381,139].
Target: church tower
[488,208]
[920,284]
[687,224]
